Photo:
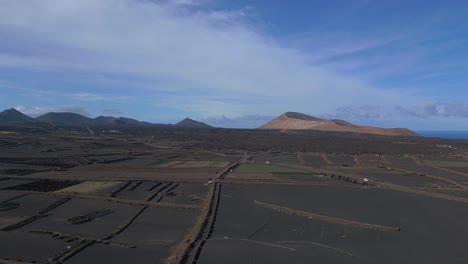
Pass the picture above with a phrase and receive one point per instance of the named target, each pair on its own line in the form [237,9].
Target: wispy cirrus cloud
[435,109]
[185,57]
[82,96]
[359,113]
[96,97]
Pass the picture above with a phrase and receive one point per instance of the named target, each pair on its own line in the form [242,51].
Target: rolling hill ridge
[294,120]
[13,116]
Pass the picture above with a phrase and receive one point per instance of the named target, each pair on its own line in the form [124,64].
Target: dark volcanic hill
[190,123]
[71,119]
[14,116]
[114,121]
[293,120]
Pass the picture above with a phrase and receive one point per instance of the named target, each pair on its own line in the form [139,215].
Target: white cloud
[73,109]
[190,51]
[435,109]
[248,121]
[359,113]
[96,97]
[35,111]
[32,111]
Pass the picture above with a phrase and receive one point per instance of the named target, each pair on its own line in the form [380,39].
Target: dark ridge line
[55,205]
[57,235]
[208,227]
[167,191]
[159,191]
[77,249]
[136,185]
[116,160]
[14,198]
[33,172]
[22,223]
[88,217]
[120,230]
[260,228]
[154,186]
[8,206]
[38,215]
[113,194]
[218,195]
[172,188]
[226,172]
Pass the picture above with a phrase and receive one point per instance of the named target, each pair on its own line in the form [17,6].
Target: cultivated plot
[343,160]
[80,217]
[194,164]
[263,168]
[314,159]
[99,188]
[275,158]
[305,224]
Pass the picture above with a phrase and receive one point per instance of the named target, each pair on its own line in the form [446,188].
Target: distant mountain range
[293,120]
[286,121]
[13,116]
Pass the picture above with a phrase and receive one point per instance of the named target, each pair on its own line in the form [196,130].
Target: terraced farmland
[194,164]
[170,196]
[263,168]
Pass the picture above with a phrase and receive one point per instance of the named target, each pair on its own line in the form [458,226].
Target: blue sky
[238,63]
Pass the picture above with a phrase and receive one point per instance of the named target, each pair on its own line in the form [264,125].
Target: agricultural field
[275,158]
[194,164]
[177,196]
[313,159]
[263,168]
[371,160]
[304,178]
[103,188]
[400,160]
[249,228]
[447,163]
[343,160]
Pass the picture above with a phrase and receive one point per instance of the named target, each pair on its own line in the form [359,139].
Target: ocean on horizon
[448,134]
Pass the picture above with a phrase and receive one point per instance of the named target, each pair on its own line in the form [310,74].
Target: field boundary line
[322,184]
[417,161]
[326,159]
[449,170]
[286,210]
[226,171]
[356,160]
[320,245]
[120,179]
[122,201]
[123,227]
[77,249]
[40,214]
[385,160]
[257,230]
[190,244]
[14,198]
[300,157]
[255,242]
[433,177]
